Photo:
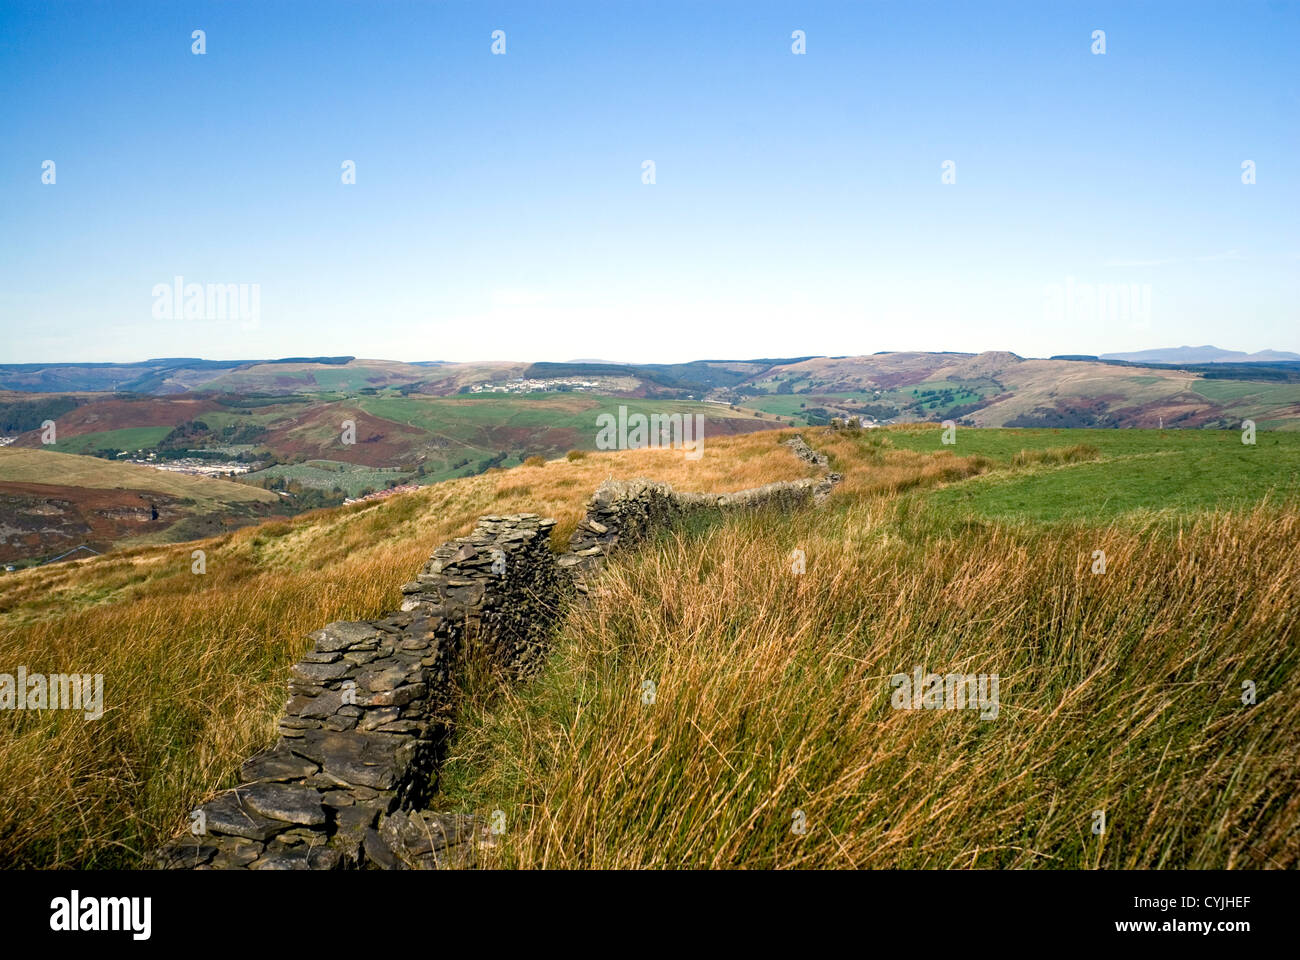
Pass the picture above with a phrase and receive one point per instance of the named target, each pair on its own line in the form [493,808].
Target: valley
[315,432]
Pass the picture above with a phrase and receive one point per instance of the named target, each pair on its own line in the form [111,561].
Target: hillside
[997,388]
[774,738]
[51,502]
[1203,354]
[770,689]
[1186,388]
[408,438]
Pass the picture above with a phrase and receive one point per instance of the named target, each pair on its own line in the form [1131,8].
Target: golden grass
[195,666]
[20,465]
[871,467]
[1119,692]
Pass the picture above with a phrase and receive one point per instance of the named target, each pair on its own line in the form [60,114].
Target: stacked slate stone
[369,707]
[808,455]
[503,581]
[624,511]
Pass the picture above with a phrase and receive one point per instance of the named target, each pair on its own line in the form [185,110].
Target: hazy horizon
[745,358]
[798,201]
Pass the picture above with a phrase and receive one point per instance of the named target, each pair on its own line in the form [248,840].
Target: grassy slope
[1120,692]
[127,438]
[46,466]
[194,665]
[1138,470]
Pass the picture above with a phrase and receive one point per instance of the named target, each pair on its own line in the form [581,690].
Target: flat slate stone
[325,705]
[236,853]
[364,759]
[277,764]
[228,815]
[399,696]
[342,634]
[377,851]
[282,801]
[186,853]
[386,675]
[378,717]
[295,859]
[316,672]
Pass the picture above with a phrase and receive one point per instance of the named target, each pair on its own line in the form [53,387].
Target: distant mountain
[1205,354]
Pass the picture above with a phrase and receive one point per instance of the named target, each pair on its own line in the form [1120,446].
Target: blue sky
[499,210]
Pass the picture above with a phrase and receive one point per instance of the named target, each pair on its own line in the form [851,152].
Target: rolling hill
[1184,387]
[773,692]
[52,502]
[997,388]
[1203,354]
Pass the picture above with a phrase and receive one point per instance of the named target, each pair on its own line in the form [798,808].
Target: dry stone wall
[369,709]
[370,705]
[623,512]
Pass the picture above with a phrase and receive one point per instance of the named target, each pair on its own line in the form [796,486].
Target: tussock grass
[872,466]
[1119,692]
[195,666]
[1056,455]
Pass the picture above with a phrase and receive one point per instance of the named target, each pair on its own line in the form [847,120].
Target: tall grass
[1120,692]
[195,665]
[1078,453]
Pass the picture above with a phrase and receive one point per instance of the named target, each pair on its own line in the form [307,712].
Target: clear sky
[499,209]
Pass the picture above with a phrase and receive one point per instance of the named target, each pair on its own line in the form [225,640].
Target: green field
[795,405]
[771,693]
[465,417]
[1229,391]
[218,420]
[1138,470]
[128,438]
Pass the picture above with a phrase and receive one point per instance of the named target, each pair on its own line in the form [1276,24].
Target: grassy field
[1136,470]
[1120,693]
[128,438]
[467,417]
[195,665]
[795,405]
[1248,391]
[46,466]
